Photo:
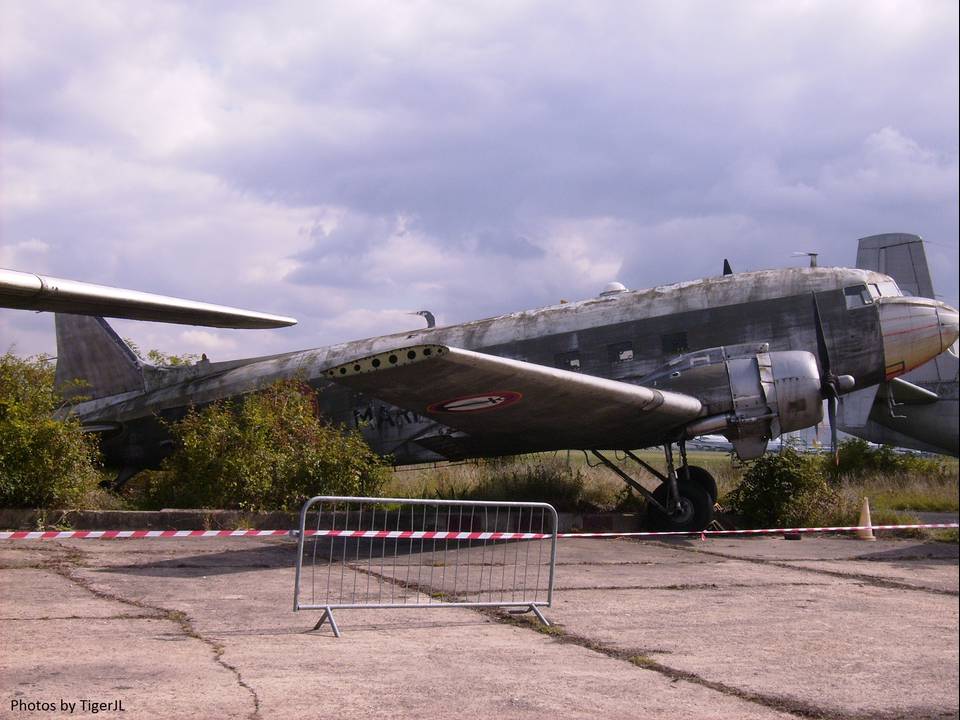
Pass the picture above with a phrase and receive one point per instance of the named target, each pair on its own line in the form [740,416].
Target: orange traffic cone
[866,526]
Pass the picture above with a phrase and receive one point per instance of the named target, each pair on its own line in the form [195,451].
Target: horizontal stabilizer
[906,392]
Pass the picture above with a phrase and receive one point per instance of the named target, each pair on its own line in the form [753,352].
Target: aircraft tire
[696,509]
[699,475]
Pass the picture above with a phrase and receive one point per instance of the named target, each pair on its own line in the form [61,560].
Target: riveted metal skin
[399,357]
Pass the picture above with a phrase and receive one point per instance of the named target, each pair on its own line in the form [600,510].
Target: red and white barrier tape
[111,534]
[433,535]
[769,531]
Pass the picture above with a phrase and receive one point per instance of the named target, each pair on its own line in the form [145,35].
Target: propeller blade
[832,414]
[822,352]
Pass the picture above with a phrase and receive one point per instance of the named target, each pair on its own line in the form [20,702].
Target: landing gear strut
[123,475]
[682,502]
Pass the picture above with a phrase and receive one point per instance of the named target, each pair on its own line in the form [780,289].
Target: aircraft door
[850,319]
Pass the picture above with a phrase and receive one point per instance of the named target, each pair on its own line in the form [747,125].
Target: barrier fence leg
[328,615]
[536,611]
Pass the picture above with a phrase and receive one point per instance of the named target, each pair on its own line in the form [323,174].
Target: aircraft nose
[914,330]
[949,320]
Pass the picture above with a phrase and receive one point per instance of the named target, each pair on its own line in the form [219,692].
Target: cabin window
[874,290]
[857,296]
[675,343]
[620,352]
[568,361]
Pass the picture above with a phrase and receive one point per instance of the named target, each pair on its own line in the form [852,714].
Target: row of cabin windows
[622,352]
[676,343]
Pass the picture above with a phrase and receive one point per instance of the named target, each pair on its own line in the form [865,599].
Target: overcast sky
[346,163]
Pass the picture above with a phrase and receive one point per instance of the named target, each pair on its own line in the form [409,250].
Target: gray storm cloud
[346,164]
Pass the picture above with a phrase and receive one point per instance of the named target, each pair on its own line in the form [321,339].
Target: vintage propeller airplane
[746,355]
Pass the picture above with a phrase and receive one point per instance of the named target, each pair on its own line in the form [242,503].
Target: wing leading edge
[510,406]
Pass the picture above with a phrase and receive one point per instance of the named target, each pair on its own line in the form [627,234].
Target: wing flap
[515,405]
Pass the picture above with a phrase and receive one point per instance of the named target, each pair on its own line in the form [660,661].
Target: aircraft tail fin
[92,360]
[899,255]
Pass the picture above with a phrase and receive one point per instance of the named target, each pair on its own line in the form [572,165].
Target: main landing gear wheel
[695,511]
[692,511]
[705,479]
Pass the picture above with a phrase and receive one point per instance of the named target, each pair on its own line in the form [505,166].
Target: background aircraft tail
[89,351]
[901,256]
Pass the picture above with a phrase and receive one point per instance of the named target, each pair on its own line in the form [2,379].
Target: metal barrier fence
[405,553]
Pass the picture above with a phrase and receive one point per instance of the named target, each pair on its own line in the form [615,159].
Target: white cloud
[204,341]
[345,162]
[894,168]
[30,254]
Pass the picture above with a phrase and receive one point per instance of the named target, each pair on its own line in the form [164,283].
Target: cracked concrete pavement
[746,628]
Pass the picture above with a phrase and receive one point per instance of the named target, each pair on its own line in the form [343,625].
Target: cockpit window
[874,290]
[857,296]
[889,289]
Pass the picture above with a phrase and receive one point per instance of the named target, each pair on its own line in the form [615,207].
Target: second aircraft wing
[27,291]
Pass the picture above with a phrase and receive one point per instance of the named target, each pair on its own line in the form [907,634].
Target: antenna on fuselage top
[428,316]
[811,255]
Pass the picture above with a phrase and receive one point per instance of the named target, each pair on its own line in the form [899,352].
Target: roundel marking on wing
[477,403]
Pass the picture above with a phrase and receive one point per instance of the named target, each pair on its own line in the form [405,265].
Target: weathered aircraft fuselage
[624,336]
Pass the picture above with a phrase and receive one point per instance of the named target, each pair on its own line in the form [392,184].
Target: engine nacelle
[750,395]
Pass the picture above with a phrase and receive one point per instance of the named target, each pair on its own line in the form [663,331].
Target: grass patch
[921,496]
[570,482]
[98,498]
[527,621]
[552,630]
[534,478]
[947,536]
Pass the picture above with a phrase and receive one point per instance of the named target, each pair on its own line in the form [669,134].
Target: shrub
[859,458]
[44,462]
[267,451]
[787,490]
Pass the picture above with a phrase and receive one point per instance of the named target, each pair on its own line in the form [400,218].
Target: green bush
[44,462]
[787,490]
[858,458]
[267,451]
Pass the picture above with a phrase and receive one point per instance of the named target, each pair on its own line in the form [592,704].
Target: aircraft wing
[39,292]
[508,406]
